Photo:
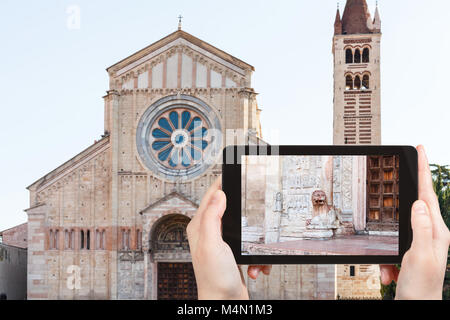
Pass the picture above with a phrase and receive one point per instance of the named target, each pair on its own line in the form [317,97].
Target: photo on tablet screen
[320,205]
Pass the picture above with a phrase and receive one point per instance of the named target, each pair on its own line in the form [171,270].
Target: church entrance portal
[170,247]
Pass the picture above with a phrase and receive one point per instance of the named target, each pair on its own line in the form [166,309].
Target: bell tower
[356,51]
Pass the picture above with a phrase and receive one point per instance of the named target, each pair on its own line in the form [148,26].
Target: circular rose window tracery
[178,137]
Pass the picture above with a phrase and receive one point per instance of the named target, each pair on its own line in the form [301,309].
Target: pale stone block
[201,75]
[186,71]
[172,71]
[143,80]
[216,79]
[157,76]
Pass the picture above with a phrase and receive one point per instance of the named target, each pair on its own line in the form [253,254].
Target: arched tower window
[366,82]
[349,83]
[357,84]
[366,55]
[348,56]
[357,56]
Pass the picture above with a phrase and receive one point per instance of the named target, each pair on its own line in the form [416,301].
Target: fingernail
[420,208]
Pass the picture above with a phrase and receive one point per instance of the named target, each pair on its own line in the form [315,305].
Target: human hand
[423,267]
[217,275]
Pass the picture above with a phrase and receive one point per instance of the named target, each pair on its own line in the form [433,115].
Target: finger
[427,194]
[253,271]
[266,270]
[388,274]
[217,185]
[211,218]
[422,227]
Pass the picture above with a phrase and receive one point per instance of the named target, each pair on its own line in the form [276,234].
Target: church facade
[110,222]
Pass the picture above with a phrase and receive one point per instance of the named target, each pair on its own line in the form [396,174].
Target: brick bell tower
[357,114]
[356,51]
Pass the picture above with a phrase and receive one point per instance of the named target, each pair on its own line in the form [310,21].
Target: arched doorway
[169,245]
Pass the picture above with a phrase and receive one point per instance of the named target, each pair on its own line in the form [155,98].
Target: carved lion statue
[324,216]
[319,198]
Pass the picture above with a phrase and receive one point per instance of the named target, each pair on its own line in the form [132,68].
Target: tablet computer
[319,204]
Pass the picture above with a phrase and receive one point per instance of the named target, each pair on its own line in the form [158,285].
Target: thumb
[422,227]
[211,222]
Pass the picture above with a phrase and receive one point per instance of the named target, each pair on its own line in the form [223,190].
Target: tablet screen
[320,205]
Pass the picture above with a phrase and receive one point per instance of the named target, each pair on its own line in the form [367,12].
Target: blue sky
[53,77]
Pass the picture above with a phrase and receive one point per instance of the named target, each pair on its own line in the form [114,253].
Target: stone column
[359,192]
[272,216]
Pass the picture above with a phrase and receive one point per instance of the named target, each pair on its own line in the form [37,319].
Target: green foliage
[388,292]
[441,185]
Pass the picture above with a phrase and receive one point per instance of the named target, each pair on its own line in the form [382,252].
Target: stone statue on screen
[326,219]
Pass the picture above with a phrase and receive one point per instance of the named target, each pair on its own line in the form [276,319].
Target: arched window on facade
[357,84]
[53,239]
[366,55]
[366,82]
[348,56]
[72,239]
[57,239]
[125,239]
[50,239]
[81,239]
[98,239]
[103,240]
[348,82]
[88,240]
[66,239]
[357,56]
[138,240]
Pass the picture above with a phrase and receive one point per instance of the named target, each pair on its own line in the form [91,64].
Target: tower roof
[338,23]
[356,18]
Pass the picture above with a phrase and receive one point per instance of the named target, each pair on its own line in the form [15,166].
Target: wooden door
[382,193]
[176,281]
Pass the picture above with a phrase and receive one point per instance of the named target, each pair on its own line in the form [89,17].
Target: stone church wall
[76,198]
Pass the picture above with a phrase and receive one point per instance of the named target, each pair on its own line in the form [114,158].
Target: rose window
[179,138]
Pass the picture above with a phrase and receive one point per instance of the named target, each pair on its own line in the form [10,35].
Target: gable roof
[15,227]
[79,158]
[169,197]
[172,37]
